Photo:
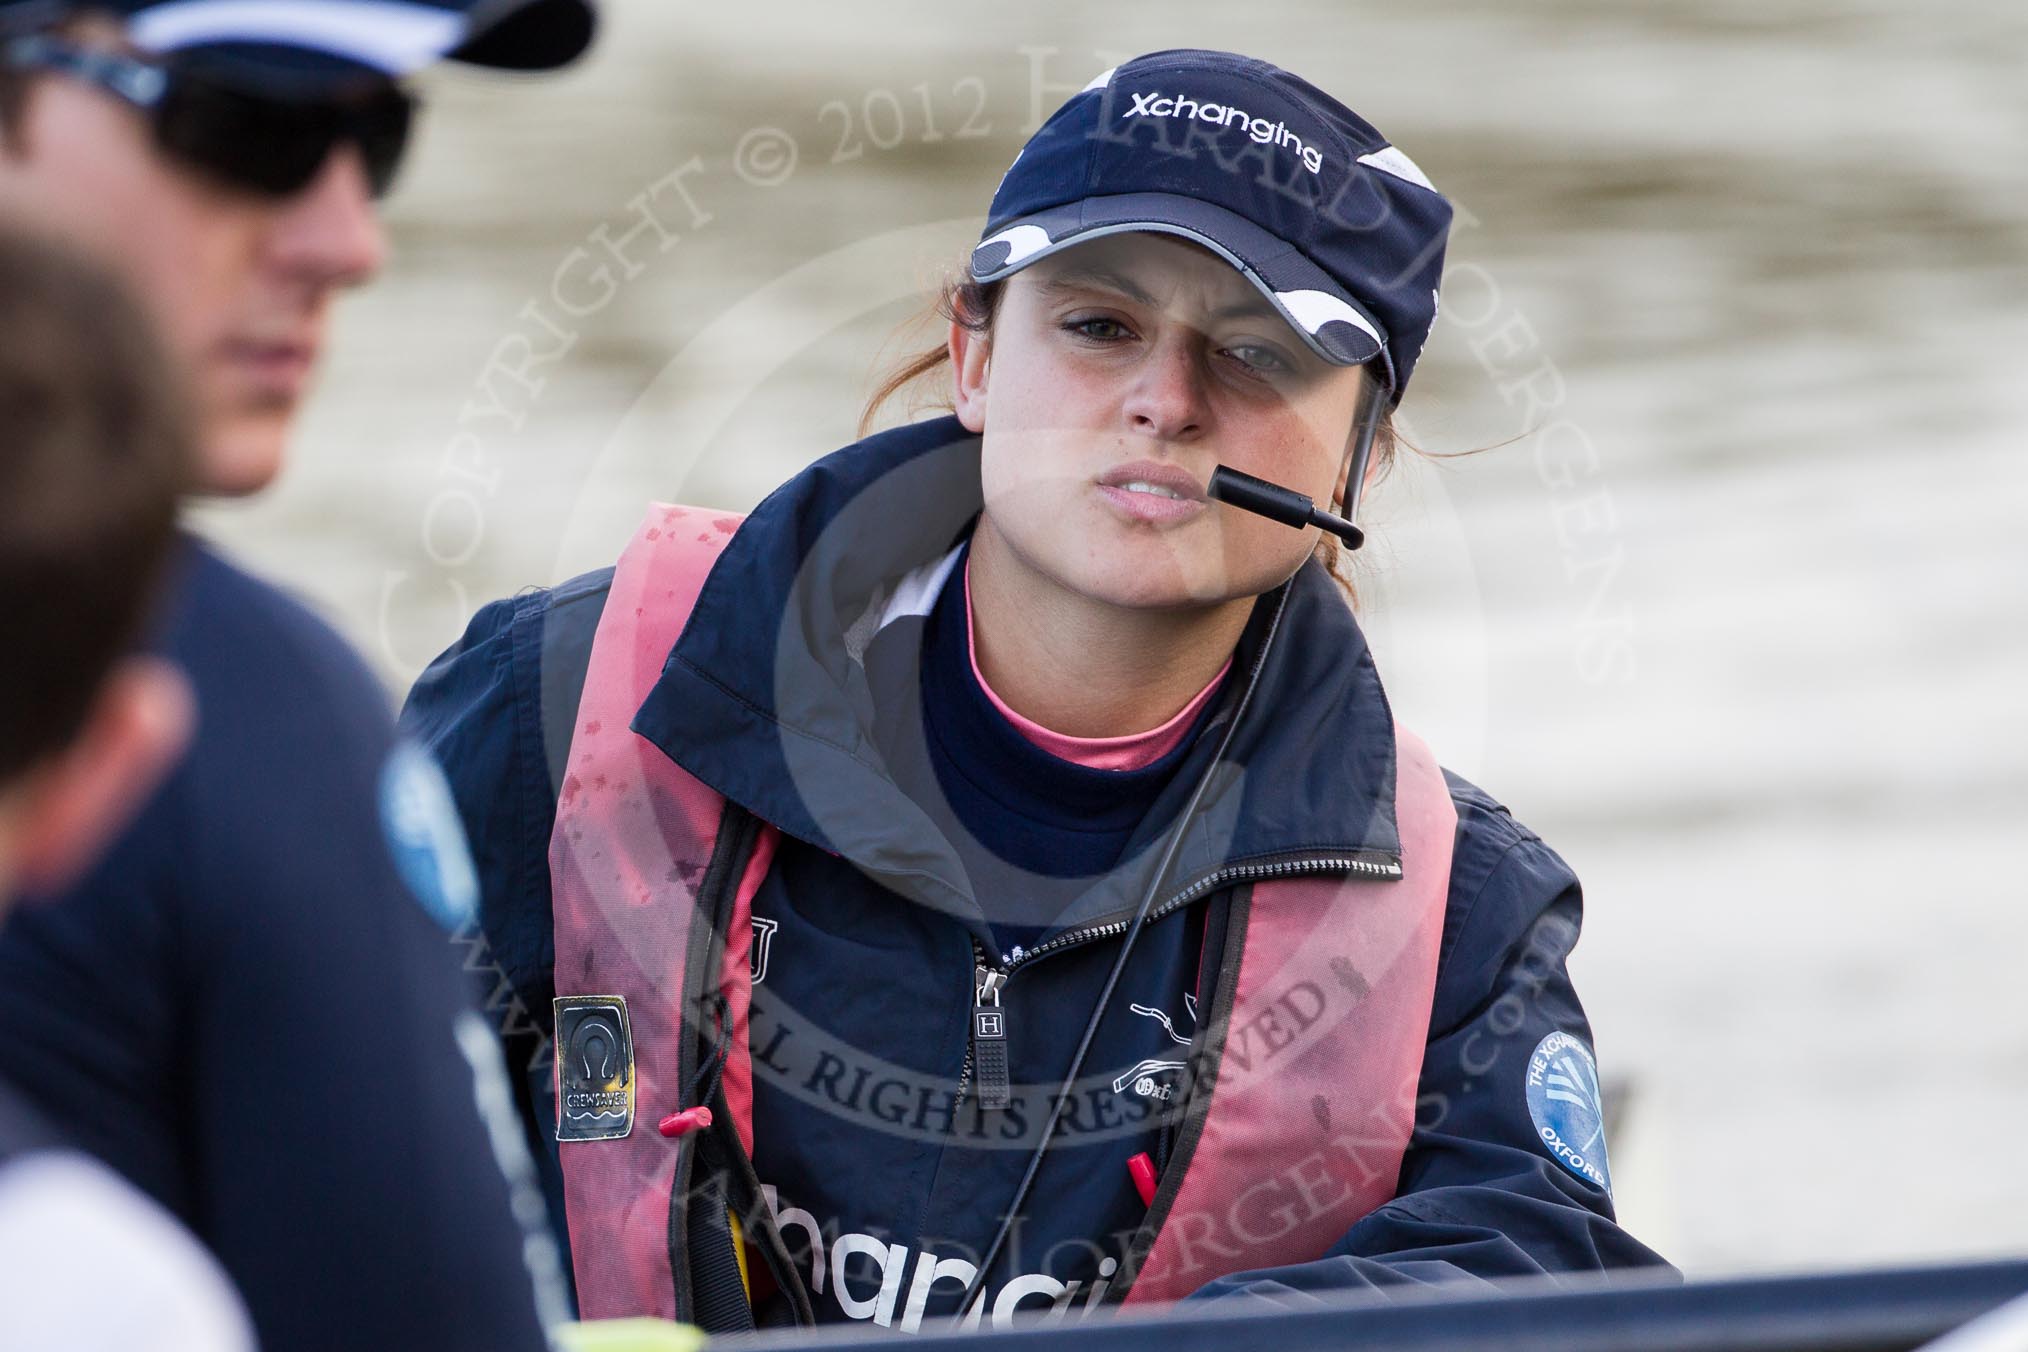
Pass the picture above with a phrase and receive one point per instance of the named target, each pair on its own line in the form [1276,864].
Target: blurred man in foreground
[96,450]
[251,1008]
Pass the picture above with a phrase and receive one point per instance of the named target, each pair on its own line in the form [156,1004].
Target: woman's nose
[1167,400]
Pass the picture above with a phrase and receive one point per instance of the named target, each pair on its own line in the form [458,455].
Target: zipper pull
[989,1040]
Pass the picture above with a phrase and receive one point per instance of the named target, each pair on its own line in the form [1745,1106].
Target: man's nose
[329,234]
[1168,400]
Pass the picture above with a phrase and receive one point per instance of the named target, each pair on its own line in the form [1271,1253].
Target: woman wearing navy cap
[988,878]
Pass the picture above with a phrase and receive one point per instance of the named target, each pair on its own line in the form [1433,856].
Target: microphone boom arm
[1276,503]
[1291,508]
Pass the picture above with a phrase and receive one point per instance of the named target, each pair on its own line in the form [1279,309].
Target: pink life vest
[1311,1055]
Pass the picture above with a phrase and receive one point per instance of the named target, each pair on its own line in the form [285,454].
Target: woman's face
[1117,376]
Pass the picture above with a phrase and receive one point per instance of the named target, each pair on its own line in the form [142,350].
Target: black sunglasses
[268,146]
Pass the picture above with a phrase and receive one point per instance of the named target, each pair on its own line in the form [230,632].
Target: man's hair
[95,446]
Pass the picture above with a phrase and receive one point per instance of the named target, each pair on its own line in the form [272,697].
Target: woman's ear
[1375,467]
[971,355]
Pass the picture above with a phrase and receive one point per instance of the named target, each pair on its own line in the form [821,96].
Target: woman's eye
[1261,360]
[1097,327]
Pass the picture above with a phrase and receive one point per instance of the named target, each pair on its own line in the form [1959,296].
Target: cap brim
[1334,325]
[299,43]
[529,35]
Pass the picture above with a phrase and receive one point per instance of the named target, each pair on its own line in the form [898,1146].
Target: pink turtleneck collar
[1135,751]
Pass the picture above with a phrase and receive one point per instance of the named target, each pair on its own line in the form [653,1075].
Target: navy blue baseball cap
[1336,227]
[299,42]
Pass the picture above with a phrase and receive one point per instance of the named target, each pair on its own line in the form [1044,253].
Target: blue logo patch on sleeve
[1567,1109]
[425,837]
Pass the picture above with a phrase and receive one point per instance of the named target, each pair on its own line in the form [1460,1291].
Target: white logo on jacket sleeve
[425,837]
[1568,1111]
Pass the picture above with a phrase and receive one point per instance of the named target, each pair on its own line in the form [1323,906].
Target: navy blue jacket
[246,1010]
[793,692]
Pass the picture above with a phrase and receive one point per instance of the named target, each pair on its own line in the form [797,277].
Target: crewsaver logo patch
[1567,1108]
[594,1068]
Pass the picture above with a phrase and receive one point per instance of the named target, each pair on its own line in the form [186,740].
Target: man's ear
[73,806]
[971,355]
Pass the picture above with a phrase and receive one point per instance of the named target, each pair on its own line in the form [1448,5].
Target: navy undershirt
[1037,829]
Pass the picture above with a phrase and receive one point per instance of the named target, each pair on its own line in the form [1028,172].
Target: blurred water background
[1740,628]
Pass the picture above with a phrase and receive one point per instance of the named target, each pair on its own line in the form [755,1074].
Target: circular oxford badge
[426,838]
[1569,1114]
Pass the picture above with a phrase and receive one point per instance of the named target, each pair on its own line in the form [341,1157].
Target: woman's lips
[1155,492]
[1139,505]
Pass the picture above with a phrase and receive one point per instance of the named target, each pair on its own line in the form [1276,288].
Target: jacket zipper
[986,1051]
[989,1034]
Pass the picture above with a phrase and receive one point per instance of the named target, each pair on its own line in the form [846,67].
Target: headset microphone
[1291,508]
[1276,503]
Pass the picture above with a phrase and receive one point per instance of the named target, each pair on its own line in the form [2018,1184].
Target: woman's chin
[1151,580]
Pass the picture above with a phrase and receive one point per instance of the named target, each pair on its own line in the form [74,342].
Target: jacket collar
[766,698]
